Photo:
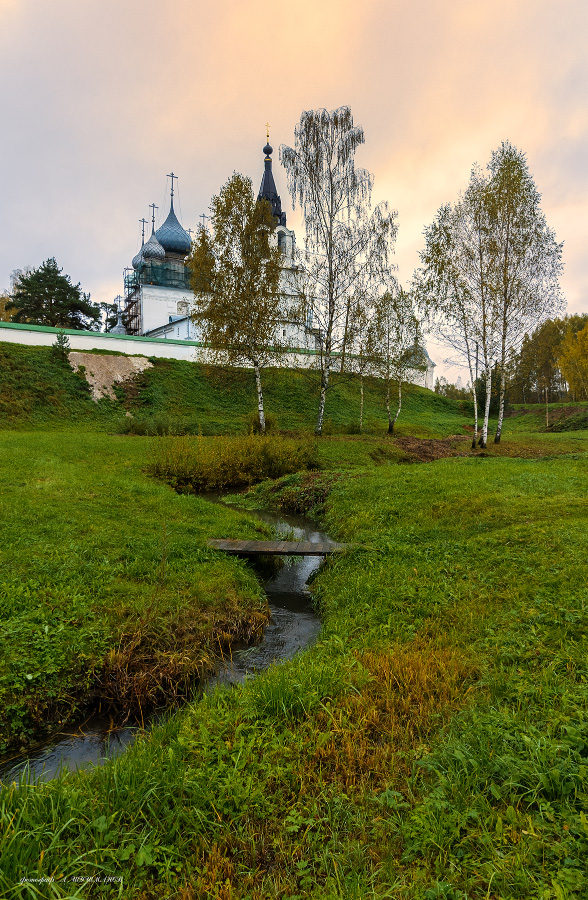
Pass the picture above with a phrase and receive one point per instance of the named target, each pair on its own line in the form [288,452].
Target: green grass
[107,588]
[431,744]
[38,391]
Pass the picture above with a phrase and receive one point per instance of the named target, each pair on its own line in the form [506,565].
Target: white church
[158,296]
[157,292]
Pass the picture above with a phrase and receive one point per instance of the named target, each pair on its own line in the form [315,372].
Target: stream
[292,627]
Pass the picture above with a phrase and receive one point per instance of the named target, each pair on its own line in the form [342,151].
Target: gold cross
[267,126]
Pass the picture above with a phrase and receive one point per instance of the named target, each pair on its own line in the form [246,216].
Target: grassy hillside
[37,390]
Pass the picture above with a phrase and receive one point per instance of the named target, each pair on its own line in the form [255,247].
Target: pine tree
[45,296]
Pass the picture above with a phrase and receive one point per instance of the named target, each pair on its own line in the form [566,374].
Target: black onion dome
[152,249]
[172,236]
[268,150]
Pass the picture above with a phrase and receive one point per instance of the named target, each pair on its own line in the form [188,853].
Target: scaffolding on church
[160,274]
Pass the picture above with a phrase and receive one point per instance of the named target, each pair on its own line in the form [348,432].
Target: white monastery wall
[163,348]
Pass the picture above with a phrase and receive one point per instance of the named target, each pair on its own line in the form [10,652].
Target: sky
[102,99]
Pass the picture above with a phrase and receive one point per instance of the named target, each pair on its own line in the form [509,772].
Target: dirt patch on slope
[429,449]
[556,413]
[103,372]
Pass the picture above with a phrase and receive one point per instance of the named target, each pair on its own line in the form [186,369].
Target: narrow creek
[293,626]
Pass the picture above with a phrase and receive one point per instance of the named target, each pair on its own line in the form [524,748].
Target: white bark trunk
[323,395]
[399,407]
[361,404]
[484,437]
[259,398]
[501,407]
[474,395]
[390,423]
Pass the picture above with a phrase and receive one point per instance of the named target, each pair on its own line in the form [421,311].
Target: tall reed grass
[206,464]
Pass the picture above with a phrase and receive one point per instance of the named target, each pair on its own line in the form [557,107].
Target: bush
[252,425]
[60,348]
[204,464]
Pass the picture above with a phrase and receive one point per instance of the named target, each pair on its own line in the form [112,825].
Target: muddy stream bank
[293,626]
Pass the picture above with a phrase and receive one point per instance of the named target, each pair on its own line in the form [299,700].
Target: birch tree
[394,345]
[445,297]
[454,285]
[526,257]
[235,275]
[346,241]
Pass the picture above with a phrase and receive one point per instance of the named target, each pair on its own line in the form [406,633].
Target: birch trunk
[475,437]
[546,409]
[473,379]
[361,403]
[484,437]
[323,395]
[259,398]
[393,422]
[390,422]
[501,407]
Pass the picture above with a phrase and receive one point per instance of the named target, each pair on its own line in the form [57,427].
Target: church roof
[151,250]
[268,191]
[172,236]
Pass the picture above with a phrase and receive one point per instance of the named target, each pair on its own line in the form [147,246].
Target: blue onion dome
[172,236]
[138,260]
[268,150]
[152,249]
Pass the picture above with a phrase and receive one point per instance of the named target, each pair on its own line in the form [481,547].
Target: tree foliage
[573,361]
[536,367]
[490,269]
[45,296]
[347,245]
[5,314]
[394,344]
[235,275]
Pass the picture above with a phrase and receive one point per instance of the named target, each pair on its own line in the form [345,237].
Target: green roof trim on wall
[16,326]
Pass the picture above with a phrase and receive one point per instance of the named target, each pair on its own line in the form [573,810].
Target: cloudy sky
[102,98]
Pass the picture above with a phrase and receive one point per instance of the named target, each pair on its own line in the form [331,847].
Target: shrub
[201,464]
[252,425]
[61,347]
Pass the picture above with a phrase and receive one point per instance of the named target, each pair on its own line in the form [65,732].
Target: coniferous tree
[45,296]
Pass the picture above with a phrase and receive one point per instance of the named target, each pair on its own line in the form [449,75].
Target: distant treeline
[552,363]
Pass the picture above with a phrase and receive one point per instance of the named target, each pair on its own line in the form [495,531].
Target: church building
[158,296]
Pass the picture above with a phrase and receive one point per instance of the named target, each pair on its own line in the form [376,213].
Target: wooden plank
[278,548]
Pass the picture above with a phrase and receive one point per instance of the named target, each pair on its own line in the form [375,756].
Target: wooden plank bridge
[275,548]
